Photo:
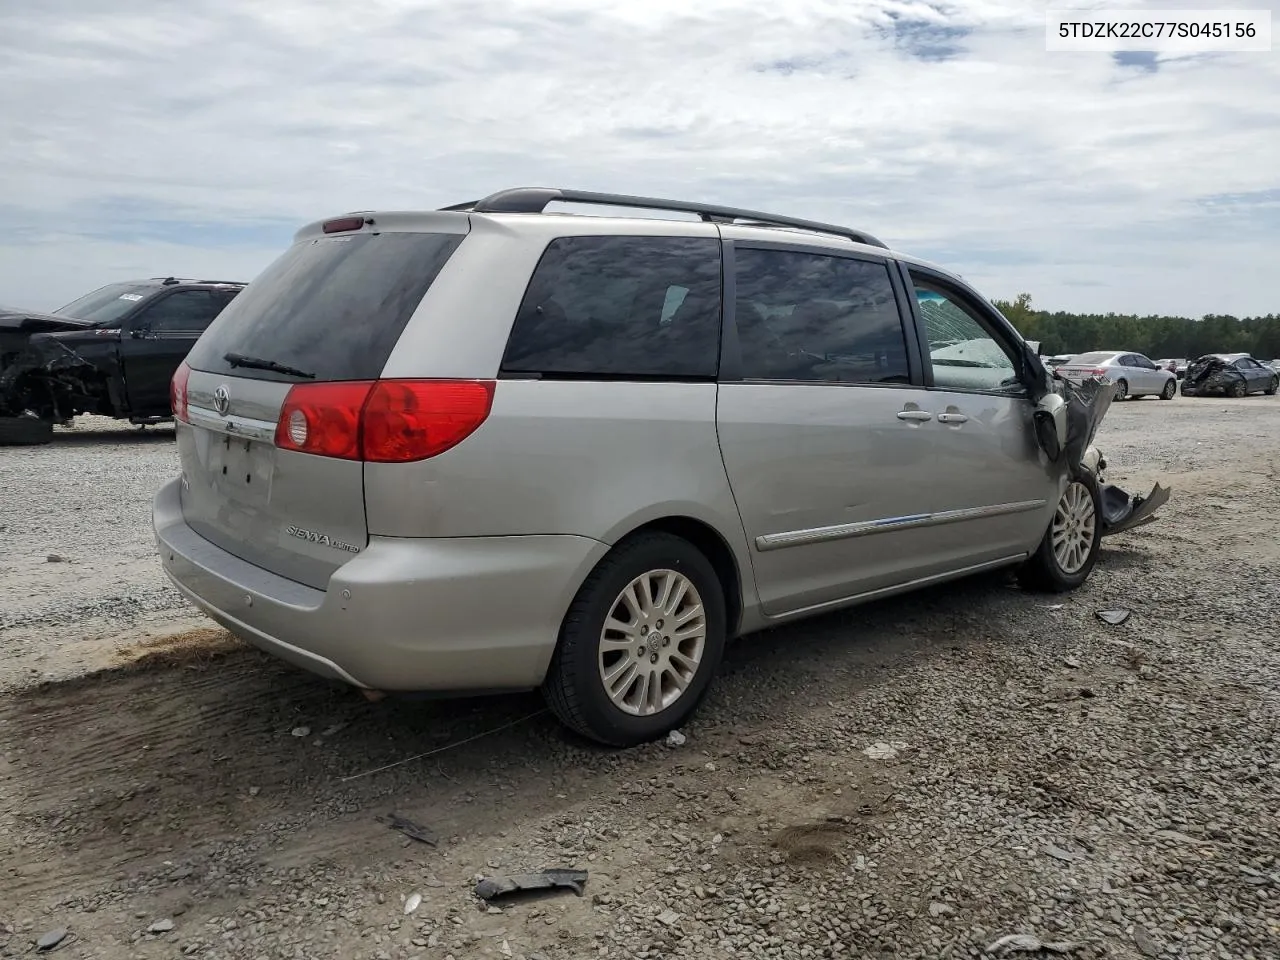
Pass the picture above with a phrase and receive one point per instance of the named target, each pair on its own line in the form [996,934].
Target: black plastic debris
[414,831]
[1122,510]
[491,888]
[1114,617]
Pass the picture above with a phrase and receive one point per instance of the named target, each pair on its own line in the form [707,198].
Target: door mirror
[1050,419]
[1035,347]
[141,331]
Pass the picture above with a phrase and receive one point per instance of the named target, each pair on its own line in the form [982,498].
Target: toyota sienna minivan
[493,448]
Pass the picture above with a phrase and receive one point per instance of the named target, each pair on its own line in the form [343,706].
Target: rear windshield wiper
[257,363]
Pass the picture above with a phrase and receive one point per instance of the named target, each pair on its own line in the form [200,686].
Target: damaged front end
[1067,420]
[49,380]
[1211,375]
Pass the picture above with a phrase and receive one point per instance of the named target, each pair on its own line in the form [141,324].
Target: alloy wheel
[1074,524]
[652,642]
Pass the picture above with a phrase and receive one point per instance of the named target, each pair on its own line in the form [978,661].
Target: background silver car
[487,449]
[1133,374]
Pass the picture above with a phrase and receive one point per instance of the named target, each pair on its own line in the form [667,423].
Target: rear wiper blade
[257,363]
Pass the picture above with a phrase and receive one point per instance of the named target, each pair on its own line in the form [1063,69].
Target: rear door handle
[952,418]
[916,415]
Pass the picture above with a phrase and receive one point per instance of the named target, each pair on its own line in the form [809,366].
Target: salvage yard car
[490,448]
[112,352]
[1232,374]
[1133,374]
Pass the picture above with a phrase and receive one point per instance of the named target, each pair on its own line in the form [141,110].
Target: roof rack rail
[535,200]
[229,283]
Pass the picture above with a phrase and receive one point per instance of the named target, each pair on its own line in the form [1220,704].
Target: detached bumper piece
[1122,510]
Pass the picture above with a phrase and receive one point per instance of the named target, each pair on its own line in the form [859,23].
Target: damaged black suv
[111,353]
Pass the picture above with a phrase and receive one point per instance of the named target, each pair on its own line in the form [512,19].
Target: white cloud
[1062,174]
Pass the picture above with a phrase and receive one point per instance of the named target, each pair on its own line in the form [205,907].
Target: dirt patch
[191,650]
[807,844]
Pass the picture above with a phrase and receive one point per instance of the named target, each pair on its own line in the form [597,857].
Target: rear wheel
[1239,389]
[640,643]
[1169,390]
[25,431]
[1122,389]
[1069,549]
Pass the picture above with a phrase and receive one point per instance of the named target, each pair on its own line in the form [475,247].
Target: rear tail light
[1098,372]
[382,421]
[178,392]
[323,418]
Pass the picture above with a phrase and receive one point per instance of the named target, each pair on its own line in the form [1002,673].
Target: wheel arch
[715,548]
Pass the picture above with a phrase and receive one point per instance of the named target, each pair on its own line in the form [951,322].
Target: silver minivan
[493,448]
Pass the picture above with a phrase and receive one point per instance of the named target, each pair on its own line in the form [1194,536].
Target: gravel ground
[918,778]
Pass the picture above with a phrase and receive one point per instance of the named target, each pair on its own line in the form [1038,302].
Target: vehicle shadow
[139,766]
[160,433]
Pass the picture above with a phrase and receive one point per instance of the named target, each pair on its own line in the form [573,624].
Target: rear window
[1092,357]
[333,307]
[620,307]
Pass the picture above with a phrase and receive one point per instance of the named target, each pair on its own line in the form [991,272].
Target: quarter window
[621,307]
[810,317]
[964,353]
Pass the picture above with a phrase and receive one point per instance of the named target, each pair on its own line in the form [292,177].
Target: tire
[1044,570]
[1170,390]
[25,431]
[1239,389]
[575,687]
[1122,390]
[1272,387]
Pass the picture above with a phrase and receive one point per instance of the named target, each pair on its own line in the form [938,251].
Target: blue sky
[191,137]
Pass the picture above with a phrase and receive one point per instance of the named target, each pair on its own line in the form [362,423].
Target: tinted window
[620,307]
[964,353]
[107,304]
[187,311]
[333,306]
[804,316]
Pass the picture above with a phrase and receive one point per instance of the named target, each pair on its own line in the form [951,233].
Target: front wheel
[1069,549]
[1273,386]
[640,643]
[1169,390]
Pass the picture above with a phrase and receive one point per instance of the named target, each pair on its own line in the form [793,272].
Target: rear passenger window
[809,317]
[184,312]
[643,307]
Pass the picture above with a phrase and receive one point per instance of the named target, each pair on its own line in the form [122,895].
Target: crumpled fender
[1087,404]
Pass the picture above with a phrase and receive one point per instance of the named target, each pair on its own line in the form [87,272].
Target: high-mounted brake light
[178,392]
[382,421]
[343,224]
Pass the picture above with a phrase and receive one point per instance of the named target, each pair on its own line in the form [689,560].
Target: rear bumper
[445,614]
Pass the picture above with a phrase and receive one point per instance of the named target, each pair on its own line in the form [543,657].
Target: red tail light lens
[382,421]
[406,420]
[1100,372]
[178,392]
[323,418]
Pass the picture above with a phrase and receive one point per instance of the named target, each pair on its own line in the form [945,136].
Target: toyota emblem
[222,399]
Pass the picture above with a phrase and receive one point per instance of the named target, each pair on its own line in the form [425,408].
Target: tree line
[1156,337]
